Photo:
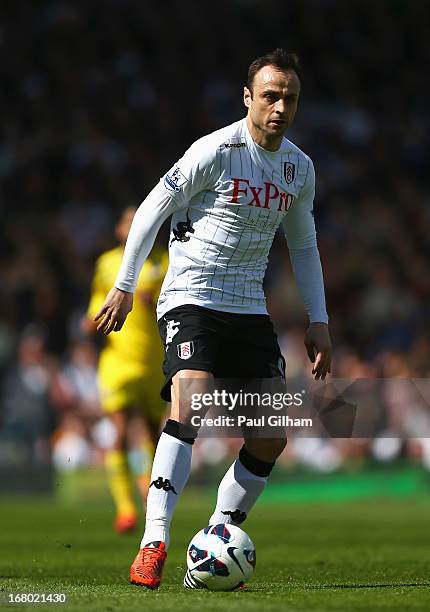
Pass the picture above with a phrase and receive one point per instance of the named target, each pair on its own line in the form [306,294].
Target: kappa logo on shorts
[186,350]
[172,329]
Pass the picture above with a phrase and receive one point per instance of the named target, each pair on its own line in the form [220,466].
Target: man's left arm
[299,229]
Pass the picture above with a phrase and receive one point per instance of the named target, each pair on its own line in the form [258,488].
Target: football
[220,558]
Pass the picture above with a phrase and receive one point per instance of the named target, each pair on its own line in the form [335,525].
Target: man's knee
[187,385]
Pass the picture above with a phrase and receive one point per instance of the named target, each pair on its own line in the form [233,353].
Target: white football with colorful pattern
[220,558]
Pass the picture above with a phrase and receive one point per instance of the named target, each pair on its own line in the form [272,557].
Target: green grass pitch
[358,555]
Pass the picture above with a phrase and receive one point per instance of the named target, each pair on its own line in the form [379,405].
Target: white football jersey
[228,196]
[232,196]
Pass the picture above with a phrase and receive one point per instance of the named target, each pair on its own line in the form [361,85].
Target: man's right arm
[191,175]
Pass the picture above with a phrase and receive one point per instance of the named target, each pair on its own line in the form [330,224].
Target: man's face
[272,104]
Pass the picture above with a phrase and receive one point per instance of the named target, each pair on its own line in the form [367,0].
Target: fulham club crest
[289,172]
[186,350]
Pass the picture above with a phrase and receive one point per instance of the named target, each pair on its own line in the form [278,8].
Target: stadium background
[98,99]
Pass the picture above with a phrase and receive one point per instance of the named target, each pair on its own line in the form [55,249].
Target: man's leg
[255,354]
[119,477]
[245,480]
[242,485]
[170,472]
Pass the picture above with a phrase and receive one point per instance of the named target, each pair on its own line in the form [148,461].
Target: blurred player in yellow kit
[130,374]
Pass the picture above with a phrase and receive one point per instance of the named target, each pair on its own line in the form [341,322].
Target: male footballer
[227,195]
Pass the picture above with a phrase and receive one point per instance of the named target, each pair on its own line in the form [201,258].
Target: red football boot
[147,568]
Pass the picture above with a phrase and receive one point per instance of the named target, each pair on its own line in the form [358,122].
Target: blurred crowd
[98,100]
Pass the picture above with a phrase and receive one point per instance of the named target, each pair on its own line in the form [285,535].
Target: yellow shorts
[131,385]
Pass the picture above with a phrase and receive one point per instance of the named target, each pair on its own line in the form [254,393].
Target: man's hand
[114,311]
[318,346]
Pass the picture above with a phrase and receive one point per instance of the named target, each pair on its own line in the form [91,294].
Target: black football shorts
[227,344]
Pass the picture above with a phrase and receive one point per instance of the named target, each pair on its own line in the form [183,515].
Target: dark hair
[278,58]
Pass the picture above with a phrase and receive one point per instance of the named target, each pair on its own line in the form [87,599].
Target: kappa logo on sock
[237,516]
[163,483]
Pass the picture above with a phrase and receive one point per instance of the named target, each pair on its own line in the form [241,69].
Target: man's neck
[264,140]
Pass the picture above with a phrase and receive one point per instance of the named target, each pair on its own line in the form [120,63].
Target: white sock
[237,493]
[170,471]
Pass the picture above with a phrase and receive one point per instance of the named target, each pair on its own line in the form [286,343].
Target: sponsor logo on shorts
[186,350]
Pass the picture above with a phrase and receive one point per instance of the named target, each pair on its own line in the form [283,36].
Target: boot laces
[151,562]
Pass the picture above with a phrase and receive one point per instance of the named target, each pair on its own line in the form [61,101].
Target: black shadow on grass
[368,586]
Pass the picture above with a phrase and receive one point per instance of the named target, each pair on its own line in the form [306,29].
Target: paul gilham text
[275,420]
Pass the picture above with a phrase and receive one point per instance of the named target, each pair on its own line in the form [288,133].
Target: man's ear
[247,97]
